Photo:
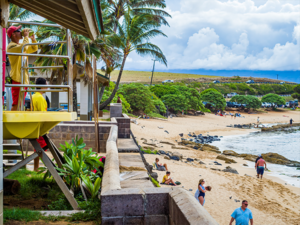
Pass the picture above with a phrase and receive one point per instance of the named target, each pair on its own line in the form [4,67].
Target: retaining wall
[123,126]
[65,131]
[162,206]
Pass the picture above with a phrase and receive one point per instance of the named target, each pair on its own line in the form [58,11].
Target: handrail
[34,23]
[37,55]
[38,86]
[43,67]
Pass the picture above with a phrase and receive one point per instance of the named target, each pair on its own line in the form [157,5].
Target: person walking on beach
[291,122]
[242,215]
[167,180]
[257,121]
[202,191]
[260,166]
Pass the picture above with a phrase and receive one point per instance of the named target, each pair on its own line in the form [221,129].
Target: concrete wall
[115,110]
[162,206]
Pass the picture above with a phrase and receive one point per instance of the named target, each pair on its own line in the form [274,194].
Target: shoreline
[271,201]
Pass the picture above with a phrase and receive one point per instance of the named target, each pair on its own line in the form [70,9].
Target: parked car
[168,81]
[250,82]
[216,82]
[282,83]
[287,104]
[230,95]
[266,105]
[233,104]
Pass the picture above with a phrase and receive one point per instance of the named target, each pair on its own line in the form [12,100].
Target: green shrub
[138,96]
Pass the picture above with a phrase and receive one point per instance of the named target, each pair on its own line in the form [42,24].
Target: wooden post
[70,70]
[95,89]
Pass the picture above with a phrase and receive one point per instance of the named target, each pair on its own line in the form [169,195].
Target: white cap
[259,155]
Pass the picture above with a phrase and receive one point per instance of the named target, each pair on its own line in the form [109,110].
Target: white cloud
[230,34]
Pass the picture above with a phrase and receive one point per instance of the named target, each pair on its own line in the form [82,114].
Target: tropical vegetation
[274,99]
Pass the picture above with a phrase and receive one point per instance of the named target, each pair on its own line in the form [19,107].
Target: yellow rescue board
[30,124]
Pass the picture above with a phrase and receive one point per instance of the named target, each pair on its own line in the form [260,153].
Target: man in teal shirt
[242,215]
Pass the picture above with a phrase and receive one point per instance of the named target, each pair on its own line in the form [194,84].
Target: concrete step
[12,156]
[127,145]
[7,146]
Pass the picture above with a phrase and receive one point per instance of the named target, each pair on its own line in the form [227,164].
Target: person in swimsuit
[202,191]
[161,167]
[261,165]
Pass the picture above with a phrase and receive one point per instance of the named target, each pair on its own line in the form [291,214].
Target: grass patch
[20,215]
[143,76]
[6,152]
[105,110]
[131,115]
[153,115]
[33,184]
[149,151]
[154,181]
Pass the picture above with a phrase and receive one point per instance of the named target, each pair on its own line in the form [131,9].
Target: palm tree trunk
[74,85]
[104,104]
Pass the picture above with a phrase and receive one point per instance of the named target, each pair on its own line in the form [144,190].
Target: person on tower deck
[15,34]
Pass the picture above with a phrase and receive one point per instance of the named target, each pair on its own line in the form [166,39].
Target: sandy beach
[270,199]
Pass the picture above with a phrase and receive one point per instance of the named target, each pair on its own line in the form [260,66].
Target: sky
[254,35]
[229,37]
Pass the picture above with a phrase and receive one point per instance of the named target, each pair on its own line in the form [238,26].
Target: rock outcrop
[269,157]
[280,127]
[227,160]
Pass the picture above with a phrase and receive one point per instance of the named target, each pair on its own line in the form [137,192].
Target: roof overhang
[82,16]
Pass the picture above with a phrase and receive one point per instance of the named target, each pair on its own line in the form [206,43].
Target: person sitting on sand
[167,180]
[202,191]
[260,167]
[160,167]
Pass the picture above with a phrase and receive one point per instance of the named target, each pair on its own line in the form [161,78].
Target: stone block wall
[123,126]
[67,130]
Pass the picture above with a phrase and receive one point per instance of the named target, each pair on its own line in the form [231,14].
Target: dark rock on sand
[230,170]
[167,157]
[189,159]
[202,163]
[215,169]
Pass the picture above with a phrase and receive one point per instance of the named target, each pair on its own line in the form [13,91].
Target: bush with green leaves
[251,102]
[138,96]
[274,99]
[175,102]
[78,166]
[214,98]
[296,90]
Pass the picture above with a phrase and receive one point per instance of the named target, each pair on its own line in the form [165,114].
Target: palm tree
[16,12]
[83,49]
[133,35]
[117,9]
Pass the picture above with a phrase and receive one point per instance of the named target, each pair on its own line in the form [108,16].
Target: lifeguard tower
[81,16]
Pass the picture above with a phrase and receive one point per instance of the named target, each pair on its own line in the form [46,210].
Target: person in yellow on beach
[15,34]
[167,180]
[39,103]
